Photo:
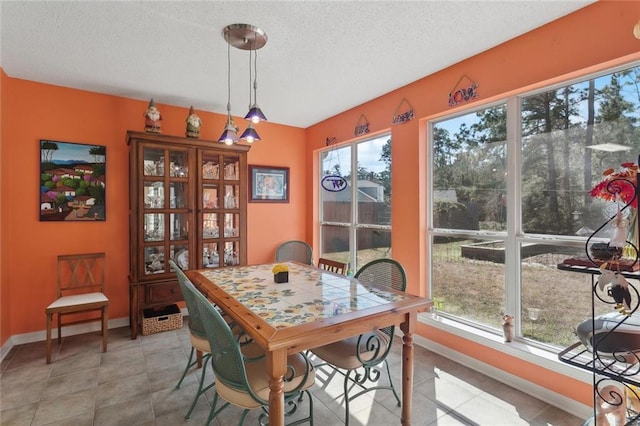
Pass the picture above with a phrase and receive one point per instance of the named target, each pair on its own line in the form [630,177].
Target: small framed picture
[268,184]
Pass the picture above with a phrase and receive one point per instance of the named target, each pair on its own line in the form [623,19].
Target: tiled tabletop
[310,294]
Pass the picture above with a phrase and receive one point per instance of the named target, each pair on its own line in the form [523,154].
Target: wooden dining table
[314,308]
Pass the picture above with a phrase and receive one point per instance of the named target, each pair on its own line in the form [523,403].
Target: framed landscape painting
[72,181]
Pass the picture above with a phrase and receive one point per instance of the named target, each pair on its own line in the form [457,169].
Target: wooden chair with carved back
[80,289]
[332,265]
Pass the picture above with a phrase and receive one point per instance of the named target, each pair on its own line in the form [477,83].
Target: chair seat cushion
[259,380]
[200,343]
[79,299]
[344,354]
[250,349]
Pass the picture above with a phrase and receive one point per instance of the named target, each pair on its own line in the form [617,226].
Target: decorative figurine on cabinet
[152,118]
[193,124]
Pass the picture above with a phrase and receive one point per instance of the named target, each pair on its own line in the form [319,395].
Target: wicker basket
[157,320]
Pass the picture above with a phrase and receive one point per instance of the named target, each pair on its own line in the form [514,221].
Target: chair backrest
[294,250]
[81,273]
[384,272]
[332,265]
[195,322]
[226,357]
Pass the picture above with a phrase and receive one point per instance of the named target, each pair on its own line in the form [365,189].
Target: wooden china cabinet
[187,202]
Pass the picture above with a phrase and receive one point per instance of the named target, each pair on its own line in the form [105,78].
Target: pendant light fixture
[255,114]
[229,135]
[250,134]
[244,37]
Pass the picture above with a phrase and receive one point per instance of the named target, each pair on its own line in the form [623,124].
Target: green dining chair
[295,250]
[200,348]
[361,358]
[245,382]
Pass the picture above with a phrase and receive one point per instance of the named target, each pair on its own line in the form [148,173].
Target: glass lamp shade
[250,134]
[229,136]
[255,114]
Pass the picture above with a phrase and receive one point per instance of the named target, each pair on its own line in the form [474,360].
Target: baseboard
[71,330]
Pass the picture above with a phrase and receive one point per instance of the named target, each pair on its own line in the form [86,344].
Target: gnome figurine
[193,124]
[152,118]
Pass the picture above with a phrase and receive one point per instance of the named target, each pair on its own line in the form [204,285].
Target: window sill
[517,348]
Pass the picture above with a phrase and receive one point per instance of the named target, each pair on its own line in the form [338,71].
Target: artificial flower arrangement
[613,188]
[609,190]
[620,186]
[280,273]
[280,268]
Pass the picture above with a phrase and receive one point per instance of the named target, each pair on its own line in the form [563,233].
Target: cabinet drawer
[162,293]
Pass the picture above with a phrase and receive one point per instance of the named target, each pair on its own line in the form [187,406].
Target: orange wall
[34,111]
[595,37]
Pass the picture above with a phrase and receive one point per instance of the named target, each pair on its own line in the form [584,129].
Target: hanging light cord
[228,78]
[250,98]
[255,76]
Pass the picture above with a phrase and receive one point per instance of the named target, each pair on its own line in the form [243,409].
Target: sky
[73,151]
[368,155]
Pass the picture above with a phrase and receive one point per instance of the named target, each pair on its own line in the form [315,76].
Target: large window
[355,203]
[510,200]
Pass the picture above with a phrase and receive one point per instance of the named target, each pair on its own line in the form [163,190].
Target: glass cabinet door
[231,196]
[210,166]
[210,228]
[153,227]
[165,203]
[178,164]
[231,167]
[231,225]
[154,260]
[153,161]
[153,195]
[220,211]
[210,255]
[231,253]
[178,195]
[210,196]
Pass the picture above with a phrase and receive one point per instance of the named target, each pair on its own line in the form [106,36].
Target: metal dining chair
[363,356]
[245,382]
[295,250]
[200,348]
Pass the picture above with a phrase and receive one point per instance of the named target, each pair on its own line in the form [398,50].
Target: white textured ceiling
[321,58]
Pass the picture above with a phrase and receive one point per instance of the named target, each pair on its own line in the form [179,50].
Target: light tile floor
[133,384]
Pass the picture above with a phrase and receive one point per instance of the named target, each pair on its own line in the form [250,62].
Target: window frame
[514,235]
[353,226]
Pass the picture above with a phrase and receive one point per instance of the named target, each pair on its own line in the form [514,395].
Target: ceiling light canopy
[251,38]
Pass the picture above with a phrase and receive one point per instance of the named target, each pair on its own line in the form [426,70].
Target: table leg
[407,327]
[276,366]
